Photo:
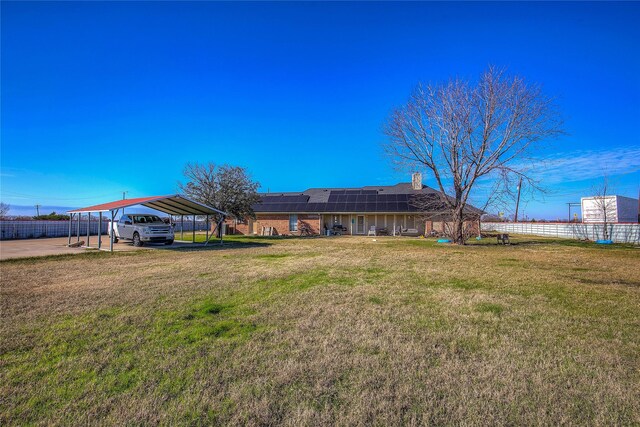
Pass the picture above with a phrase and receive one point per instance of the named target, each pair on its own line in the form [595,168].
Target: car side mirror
[128,222]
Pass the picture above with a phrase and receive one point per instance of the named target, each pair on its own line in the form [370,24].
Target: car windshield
[143,219]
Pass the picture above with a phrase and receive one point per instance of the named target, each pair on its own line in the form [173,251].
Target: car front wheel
[136,240]
[114,238]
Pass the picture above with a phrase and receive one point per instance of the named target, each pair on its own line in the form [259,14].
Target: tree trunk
[457,229]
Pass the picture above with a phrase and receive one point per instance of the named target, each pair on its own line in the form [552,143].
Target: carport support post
[181,227]
[88,227]
[70,221]
[99,230]
[113,215]
[193,230]
[207,225]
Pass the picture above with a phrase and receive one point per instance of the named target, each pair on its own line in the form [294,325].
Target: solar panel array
[354,201]
[283,203]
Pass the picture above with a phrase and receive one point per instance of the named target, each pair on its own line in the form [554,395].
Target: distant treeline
[53,216]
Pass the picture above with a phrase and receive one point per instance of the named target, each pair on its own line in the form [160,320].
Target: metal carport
[172,205]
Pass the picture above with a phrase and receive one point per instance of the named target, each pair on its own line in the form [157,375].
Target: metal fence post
[99,230]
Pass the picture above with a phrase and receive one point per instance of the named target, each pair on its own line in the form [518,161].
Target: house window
[293,222]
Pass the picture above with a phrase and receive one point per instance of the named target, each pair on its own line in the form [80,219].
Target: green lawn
[323,331]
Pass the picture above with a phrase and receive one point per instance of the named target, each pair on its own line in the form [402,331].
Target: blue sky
[103,97]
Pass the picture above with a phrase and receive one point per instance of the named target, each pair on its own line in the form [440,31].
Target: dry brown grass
[340,331]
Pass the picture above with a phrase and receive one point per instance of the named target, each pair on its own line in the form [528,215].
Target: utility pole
[38,210]
[518,199]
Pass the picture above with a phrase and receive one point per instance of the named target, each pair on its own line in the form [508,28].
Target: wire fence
[10,230]
[619,233]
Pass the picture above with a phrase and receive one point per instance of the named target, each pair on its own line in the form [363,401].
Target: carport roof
[174,205]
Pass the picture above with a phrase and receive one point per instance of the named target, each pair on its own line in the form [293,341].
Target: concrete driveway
[58,246]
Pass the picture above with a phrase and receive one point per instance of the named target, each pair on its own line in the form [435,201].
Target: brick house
[352,211]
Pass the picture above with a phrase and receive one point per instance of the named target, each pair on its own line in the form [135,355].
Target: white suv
[141,228]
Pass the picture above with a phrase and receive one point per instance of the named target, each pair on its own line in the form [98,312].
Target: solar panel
[343,201]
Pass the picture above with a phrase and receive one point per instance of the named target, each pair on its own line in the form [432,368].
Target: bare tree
[466,133]
[604,203]
[4,209]
[228,188]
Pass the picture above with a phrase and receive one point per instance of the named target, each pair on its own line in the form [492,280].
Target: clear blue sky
[103,97]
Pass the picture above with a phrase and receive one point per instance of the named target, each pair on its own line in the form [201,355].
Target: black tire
[168,242]
[114,238]
[136,240]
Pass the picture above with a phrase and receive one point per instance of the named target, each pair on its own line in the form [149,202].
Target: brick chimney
[416,181]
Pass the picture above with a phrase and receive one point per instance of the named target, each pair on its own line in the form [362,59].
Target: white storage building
[618,209]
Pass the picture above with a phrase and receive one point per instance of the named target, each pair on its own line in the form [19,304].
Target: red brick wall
[280,224]
[240,228]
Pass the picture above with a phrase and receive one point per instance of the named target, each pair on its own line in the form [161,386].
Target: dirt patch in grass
[322,332]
